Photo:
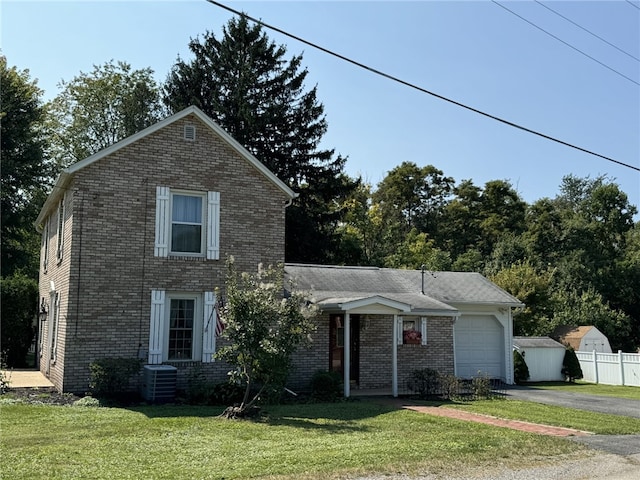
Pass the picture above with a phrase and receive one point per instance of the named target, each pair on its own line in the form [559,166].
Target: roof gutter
[62,182]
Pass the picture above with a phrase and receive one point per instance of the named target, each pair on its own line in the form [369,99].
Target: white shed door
[479,341]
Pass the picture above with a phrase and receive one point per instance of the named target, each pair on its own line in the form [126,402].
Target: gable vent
[190,132]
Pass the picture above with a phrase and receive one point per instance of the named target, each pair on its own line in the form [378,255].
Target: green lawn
[296,441]
[591,389]
[558,416]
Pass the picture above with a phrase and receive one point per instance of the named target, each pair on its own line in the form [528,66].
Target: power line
[633,4]
[420,89]
[566,43]
[588,31]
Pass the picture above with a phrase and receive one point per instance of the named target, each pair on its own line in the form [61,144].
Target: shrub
[199,390]
[19,311]
[110,377]
[520,369]
[449,387]
[425,382]
[571,365]
[326,386]
[227,393]
[481,386]
[87,402]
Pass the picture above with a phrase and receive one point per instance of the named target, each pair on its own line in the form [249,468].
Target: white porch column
[347,354]
[394,357]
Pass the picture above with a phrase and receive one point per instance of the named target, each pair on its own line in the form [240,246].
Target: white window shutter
[213,225]
[209,330]
[400,331]
[156,327]
[423,330]
[163,219]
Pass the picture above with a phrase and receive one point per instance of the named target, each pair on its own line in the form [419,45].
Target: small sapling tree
[266,321]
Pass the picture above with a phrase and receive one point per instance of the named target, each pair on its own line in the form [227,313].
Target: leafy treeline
[571,259]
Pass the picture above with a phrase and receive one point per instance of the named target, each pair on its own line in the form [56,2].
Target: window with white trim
[55,323]
[187,223]
[187,220]
[60,231]
[412,331]
[45,246]
[182,327]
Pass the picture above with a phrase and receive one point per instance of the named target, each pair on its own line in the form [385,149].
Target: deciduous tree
[97,109]
[25,173]
[264,328]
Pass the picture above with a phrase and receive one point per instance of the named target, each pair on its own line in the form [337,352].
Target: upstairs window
[187,223]
[60,231]
[45,247]
[187,220]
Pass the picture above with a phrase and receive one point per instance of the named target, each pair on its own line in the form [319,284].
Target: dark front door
[336,346]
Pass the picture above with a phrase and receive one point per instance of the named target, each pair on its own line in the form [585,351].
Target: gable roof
[572,335]
[67,174]
[337,286]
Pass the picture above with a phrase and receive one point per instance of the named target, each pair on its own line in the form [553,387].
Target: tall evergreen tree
[244,82]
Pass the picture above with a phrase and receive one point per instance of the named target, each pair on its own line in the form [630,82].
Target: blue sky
[473,52]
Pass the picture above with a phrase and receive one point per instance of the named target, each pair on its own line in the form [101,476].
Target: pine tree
[244,82]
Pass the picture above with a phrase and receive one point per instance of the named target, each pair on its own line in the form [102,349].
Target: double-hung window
[60,231]
[182,327]
[187,223]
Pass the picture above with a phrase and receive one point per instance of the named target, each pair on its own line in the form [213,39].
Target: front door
[336,346]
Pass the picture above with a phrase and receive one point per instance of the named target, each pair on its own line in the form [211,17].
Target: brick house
[397,321]
[135,237]
[134,242]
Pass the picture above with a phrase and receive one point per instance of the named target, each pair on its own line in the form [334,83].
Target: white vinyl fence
[610,368]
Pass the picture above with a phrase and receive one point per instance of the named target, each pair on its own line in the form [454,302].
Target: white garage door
[479,341]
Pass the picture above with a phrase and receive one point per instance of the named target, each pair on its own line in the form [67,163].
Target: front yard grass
[599,423]
[315,441]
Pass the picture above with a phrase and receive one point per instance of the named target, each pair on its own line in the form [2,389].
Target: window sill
[188,258]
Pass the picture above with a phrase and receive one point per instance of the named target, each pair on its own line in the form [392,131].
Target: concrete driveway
[627,445]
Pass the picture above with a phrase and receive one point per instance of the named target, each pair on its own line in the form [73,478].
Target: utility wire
[588,31]
[633,4]
[420,89]
[567,44]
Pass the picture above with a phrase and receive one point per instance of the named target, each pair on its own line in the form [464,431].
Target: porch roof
[403,303]
[443,291]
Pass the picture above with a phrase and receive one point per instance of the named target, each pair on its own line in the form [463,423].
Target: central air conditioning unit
[159,384]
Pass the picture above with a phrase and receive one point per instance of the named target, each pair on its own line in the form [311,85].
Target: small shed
[543,356]
[585,338]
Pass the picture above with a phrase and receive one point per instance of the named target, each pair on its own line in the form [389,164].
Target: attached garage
[479,346]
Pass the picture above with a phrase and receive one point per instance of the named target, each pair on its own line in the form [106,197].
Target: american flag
[219,323]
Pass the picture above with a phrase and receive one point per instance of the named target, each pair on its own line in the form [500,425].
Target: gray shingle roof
[536,342]
[442,290]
